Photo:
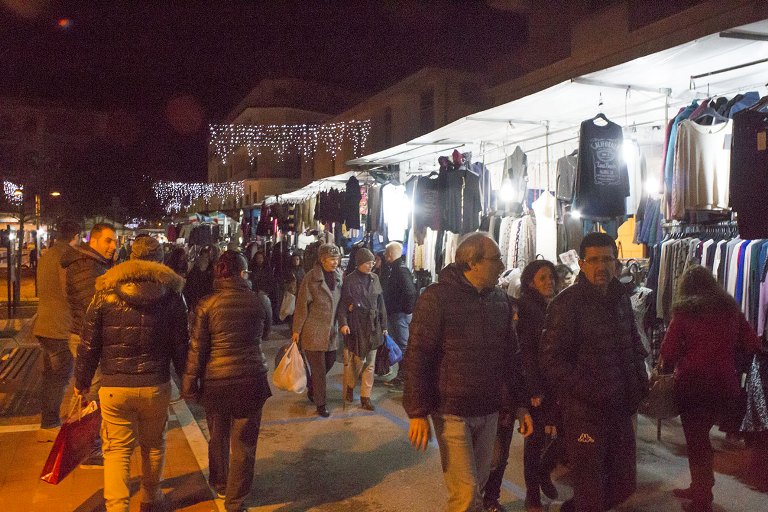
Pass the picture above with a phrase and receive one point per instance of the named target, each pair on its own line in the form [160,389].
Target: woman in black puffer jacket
[227,373]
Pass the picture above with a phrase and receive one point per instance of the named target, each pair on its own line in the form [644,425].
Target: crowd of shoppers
[562,362]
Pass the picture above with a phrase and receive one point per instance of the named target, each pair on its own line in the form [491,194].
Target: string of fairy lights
[286,139]
[176,196]
[9,189]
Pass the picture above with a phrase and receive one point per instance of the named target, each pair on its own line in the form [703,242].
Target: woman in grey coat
[363,321]
[314,320]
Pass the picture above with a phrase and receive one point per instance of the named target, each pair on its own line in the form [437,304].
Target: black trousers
[534,468]
[320,363]
[697,423]
[232,474]
[603,456]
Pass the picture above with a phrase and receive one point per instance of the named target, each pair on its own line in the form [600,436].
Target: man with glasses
[591,355]
[462,367]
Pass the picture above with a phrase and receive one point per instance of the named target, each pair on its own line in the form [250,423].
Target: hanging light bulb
[507,191]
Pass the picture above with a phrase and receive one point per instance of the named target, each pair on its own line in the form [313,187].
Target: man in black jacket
[462,355]
[82,265]
[399,298]
[134,327]
[591,355]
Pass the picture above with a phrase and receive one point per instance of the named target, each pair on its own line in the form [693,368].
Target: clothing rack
[722,228]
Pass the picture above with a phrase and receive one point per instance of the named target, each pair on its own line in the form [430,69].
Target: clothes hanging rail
[562,130]
[732,68]
[665,91]
[505,121]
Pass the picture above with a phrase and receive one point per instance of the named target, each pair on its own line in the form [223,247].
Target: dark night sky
[140,55]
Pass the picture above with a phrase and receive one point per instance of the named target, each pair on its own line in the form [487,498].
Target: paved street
[353,461]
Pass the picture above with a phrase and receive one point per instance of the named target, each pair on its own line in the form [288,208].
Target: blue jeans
[501,445]
[466,449]
[397,325]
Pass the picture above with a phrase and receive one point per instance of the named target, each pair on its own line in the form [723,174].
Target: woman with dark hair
[295,274]
[227,373]
[200,277]
[177,260]
[707,332]
[565,277]
[537,289]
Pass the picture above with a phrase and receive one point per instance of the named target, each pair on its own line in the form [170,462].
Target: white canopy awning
[313,188]
[633,93]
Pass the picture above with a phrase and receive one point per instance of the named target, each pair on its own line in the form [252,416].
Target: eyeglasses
[600,260]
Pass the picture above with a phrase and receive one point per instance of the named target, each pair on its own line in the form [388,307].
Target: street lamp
[17,281]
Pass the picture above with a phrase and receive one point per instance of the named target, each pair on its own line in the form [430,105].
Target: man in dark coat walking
[83,264]
[399,297]
[591,355]
[462,356]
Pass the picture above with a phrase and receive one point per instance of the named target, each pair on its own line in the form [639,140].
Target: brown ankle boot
[366,404]
[349,395]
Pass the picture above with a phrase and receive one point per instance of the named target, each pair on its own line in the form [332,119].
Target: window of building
[427,111]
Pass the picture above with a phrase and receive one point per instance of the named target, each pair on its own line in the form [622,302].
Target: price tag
[762,141]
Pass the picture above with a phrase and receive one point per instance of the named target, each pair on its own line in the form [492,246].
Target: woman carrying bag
[537,289]
[227,373]
[314,320]
[363,320]
[705,335]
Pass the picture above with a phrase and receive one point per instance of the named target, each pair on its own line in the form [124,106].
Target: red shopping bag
[77,439]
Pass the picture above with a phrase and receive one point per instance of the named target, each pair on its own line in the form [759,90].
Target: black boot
[323,411]
[547,487]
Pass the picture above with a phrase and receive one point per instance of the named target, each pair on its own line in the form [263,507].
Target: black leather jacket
[82,265]
[462,351]
[225,343]
[136,324]
[590,352]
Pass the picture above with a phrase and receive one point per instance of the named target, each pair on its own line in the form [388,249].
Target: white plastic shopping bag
[288,306]
[290,374]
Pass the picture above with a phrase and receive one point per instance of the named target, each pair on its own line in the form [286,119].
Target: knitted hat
[326,250]
[363,255]
[147,248]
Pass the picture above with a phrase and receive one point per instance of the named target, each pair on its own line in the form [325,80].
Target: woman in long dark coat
[537,289]
[363,322]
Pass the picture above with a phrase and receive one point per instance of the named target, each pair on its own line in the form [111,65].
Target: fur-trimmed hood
[703,304]
[140,282]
